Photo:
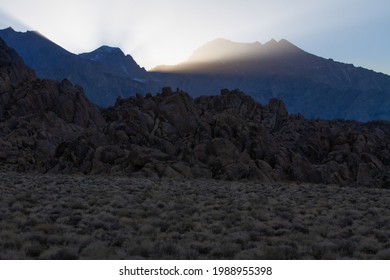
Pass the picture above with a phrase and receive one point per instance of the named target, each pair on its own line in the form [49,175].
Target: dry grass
[91,217]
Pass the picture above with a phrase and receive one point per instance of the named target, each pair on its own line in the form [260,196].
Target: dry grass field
[92,217]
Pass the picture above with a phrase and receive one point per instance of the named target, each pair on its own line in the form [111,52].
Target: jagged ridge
[104,79]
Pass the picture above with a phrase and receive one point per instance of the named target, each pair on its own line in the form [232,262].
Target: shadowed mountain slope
[105,73]
[308,84]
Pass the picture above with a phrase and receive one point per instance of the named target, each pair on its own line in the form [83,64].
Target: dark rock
[49,126]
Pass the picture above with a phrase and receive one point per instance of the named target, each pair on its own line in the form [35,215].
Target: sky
[159,32]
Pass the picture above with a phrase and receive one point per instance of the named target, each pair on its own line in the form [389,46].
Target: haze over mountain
[105,73]
[308,84]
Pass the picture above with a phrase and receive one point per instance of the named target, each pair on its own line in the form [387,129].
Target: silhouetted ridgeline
[105,73]
[49,126]
[310,85]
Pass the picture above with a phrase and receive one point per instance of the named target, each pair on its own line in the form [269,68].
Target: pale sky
[158,32]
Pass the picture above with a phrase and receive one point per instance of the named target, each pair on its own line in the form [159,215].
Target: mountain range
[309,85]
[50,126]
[105,74]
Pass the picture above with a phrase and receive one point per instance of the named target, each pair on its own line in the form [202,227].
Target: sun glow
[166,32]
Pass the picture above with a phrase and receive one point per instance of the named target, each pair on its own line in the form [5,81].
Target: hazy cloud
[156,31]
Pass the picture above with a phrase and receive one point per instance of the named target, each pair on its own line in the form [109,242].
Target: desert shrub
[323,250]
[147,230]
[161,204]
[232,219]
[166,248]
[105,221]
[203,248]
[299,227]
[78,203]
[225,250]
[255,236]
[241,238]
[142,247]
[369,245]
[180,226]
[36,237]
[58,253]
[383,254]
[10,245]
[12,255]
[8,241]
[119,239]
[323,230]
[17,206]
[260,215]
[344,221]
[118,202]
[96,250]
[30,221]
[55,239]
[190,254]
[216,229]
[346,247]
[96,223]
[75,218]
[381,235]
[262,229]
[284,213]
[281,252]
[373,212]
[162,224]
[34,250]
[43,227]
[250,254]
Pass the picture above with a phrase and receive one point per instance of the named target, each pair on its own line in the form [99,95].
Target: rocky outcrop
[12,69]
[231,137]
[38,115]
[49,126]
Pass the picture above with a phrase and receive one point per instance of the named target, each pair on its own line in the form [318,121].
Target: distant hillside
[308,84]
[105,74]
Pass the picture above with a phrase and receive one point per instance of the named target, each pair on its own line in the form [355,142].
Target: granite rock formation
[49,126]
[37,115]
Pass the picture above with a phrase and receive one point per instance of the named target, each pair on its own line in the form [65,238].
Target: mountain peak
[225,50]
[222,49]
[108,49]
[219,41]
[9,29]
[114,61]
[103,51]
[271,42]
